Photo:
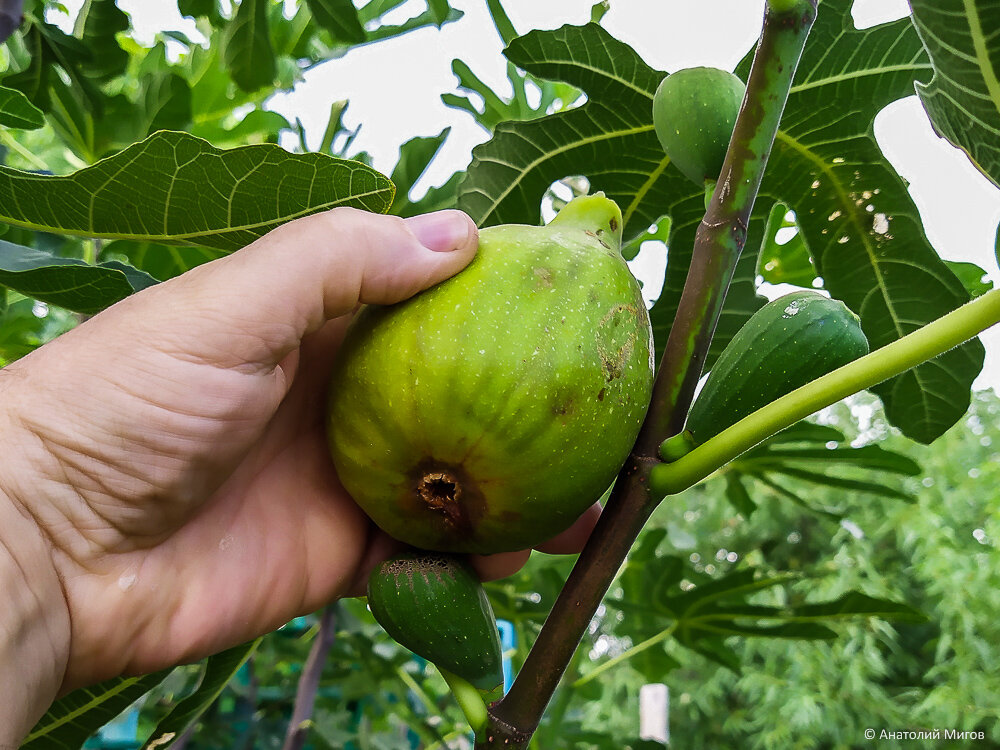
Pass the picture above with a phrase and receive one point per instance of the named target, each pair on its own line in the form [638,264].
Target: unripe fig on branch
[488,412]
[434,605]
[694,112]
[790,341]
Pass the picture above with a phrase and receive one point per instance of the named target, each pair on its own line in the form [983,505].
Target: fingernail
[441,231]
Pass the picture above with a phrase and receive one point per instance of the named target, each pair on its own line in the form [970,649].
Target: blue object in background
[120,734]
[508,642]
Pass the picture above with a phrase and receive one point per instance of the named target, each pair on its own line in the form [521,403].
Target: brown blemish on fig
[616,336]
[600,394]
[544,276]
[561,410]
[613,224]
[405,567]
[597,236]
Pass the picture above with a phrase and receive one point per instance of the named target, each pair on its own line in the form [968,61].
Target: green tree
[782,598]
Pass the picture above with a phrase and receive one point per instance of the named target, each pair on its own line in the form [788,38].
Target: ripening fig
[488,412]
[694,111]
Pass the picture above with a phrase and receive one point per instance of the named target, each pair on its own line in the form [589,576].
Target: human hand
[167,458]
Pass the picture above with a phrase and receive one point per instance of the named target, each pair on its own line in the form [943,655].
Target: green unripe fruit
[487,413]
[694,111]
[677,446]
[435,606]
[787,343]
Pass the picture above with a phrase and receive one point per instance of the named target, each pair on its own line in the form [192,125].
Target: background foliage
[836,578]
[938,552]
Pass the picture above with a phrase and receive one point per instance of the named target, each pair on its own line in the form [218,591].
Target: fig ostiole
[434,605]
[694,113]
[488,412]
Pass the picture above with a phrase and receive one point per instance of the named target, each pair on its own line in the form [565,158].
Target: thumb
[325,264]
[257,304]
[445,243]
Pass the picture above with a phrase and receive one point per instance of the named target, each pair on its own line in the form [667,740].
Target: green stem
[428,733]
[469,699]
[448,741]
[418,691]
[91,251]
[923,344]
[502,22]
[11,143]
[625,655]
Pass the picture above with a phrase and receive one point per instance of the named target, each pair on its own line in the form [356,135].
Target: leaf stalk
[919,346]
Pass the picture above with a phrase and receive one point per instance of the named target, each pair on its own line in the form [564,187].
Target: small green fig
[677,446]
[694,111]
[434,605]
[488,412]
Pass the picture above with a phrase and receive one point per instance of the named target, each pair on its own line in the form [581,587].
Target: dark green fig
[790,341]
[694,111]
[434,605]
[486,413]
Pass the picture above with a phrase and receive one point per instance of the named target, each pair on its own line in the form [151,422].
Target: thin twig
[305,696]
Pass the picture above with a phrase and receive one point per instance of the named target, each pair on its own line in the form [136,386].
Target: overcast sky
[394,89]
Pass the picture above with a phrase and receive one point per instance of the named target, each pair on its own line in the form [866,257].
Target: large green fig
[486,413]
[435,606]
[694,111]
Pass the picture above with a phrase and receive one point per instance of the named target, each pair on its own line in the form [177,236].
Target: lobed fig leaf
[485,414]
[694,112]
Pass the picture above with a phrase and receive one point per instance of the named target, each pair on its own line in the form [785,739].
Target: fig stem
[469,699]
[718,243]
[919,346]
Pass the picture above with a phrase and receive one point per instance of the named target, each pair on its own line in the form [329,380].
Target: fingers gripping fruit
[694,111]
[435,606]
[488,412]
[787,343]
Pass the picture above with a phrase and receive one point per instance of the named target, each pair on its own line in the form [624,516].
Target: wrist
[34,619]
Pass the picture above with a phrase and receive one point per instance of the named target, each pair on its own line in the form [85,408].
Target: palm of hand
[214,508]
